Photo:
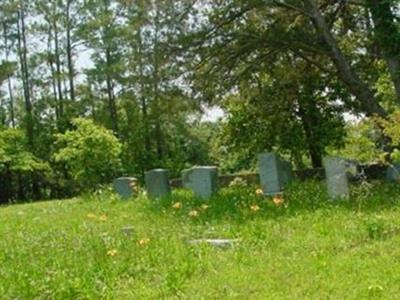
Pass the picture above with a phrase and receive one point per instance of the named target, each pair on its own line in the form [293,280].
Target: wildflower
[91,216]
[103,218]
[278,200]
[144,241]
[259,192]
[177,205]
[112,252]
[255,208]
[194,213]
[204,207]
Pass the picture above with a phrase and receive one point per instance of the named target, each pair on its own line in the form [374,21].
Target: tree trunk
[308,114]
[53,75]
[110,92]
[22,51]
[366,98]
[144,108]
[388,37]
[156,80]
[71,73]
[10,91]
[58,69]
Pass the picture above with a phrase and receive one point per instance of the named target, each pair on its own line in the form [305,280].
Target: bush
[392,130]
[90,153]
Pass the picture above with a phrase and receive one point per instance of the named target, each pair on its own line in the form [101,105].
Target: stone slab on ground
[217,243]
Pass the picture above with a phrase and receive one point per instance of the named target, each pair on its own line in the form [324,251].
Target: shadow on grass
[240,204]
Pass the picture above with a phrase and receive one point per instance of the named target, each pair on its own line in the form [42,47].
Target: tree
[17,162]
[91,153]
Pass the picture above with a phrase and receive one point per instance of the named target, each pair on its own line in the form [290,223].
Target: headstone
[217,243]
[126,187]
[128,230]
[203,181]
[393,173]
[336,171]
[275,173]
[157,183]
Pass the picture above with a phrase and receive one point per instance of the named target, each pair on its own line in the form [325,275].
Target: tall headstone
[393,173]
[126,187]
[336,171]
[157,183]
[275,173]
[203,181]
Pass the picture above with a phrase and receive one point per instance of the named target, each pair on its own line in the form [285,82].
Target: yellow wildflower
[177,205]
[204,206]
[112,252]
[194,213]
[278,200]
[255,207]
[103,218]
[91,216]
[143,242]
[259,192]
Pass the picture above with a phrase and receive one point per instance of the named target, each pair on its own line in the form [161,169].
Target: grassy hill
[97,247]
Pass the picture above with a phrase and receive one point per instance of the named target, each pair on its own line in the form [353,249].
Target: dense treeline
[285,72]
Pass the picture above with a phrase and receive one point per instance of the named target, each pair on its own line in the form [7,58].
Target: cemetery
[199,149]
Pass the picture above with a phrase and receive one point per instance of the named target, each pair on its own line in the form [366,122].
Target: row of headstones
[275,173]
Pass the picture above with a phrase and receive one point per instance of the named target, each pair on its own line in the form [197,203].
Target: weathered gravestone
[126,187]
[336,171]
[393,173]
[203,181]
[157,183]
[275,173]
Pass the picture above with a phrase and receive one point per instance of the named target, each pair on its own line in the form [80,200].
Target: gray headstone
[336,170]
[275,173]
[203,181]
[126,187]
[157,183]
[393,173]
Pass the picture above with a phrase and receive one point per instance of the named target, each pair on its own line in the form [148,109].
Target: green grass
[310,248]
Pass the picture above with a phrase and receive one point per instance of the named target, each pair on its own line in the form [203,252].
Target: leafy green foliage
[90,152]
[361,143]
[15,155]
[392,130]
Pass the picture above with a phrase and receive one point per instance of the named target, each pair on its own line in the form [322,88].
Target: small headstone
[393,173]
[203,181]
[217,243]
[275,173]
[126,187]
[336,170]
[128,230]
[157,183]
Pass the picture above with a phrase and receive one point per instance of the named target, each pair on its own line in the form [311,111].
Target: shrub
[392,130]
[90,153]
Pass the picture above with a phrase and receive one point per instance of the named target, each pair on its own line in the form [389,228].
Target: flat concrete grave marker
[217,243]
[336,170]
[275,173]
[203,181]
[128,230]
[157,183]
[393,173]
[126,187]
